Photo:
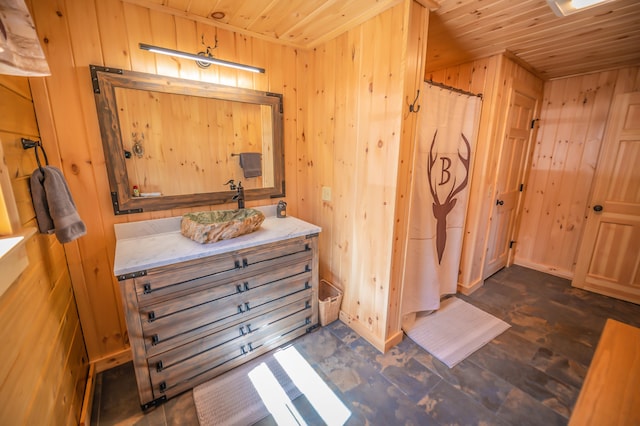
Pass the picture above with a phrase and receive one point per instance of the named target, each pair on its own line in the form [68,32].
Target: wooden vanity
[194,311]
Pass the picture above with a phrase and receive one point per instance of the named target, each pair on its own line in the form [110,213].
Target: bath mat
[455,331]
[231,398]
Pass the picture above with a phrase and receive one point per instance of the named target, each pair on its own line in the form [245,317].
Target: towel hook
[412,107]
[28,144]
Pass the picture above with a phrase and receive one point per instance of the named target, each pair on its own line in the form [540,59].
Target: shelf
[13,257]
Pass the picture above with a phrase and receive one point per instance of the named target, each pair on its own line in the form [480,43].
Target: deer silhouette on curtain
[442,209]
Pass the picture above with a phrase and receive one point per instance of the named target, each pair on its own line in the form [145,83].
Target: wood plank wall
[343,111]
[77,33]
[492,77]
[173,164]
[572,124]
[43,362]
[350,142]
[572,119]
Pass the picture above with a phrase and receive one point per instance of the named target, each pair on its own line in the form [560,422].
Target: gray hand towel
[54,206]
[251,163]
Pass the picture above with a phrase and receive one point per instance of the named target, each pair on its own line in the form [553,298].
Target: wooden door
[512,164]
[609,256]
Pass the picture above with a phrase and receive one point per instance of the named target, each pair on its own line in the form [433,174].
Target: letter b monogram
[445,175]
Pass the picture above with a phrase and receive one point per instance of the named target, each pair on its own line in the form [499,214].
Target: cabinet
[191,321]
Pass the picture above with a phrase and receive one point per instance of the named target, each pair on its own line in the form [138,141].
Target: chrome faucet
[239,194]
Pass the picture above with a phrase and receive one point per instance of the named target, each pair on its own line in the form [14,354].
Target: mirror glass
[172,143]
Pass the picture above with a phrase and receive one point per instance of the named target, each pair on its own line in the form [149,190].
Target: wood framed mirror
[180,141]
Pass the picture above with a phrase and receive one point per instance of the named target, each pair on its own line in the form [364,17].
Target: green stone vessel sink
[211,226]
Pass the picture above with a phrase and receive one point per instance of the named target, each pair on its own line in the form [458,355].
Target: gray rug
[232,399]
[455,331]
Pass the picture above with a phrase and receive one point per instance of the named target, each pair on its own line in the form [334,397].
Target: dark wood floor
[529,375]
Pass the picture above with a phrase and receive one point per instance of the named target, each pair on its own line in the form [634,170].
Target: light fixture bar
[199,58]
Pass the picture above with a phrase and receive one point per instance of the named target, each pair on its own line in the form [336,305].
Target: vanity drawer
[166,283]
[181,325]
[221,289]
[211,355]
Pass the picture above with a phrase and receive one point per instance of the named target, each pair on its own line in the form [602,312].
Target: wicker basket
[329,299]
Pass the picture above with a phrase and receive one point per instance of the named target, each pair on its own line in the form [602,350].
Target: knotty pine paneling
[44,363]
[345,81]
[77,33]
[350,142]
[572,119]
[169,151]
[301,24]
[594,39]
[418,26]
[62,108]
[572,125]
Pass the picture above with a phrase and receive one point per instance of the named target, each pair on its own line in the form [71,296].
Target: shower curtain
[445,145]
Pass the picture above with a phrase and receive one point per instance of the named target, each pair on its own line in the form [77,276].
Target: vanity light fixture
[199,58]
[567,7]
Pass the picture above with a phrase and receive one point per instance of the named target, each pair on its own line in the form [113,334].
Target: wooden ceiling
[301,23]
[600,38]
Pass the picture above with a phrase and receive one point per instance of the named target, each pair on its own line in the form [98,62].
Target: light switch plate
[326,193]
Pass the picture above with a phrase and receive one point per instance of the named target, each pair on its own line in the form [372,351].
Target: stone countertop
[153,243]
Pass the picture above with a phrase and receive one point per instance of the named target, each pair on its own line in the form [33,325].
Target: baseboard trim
[363,331]
[471,287]
[87,401]
[113,360]
[393,340]
[562,273]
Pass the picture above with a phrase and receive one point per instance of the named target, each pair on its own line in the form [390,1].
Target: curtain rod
[453,89]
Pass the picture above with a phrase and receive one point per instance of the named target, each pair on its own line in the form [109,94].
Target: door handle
[597,208]
[499,203]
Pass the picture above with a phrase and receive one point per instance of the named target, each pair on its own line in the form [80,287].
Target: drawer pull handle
[249,328]
[247,307]
[163,387]
[152,316]
[243,350]
[250,347]
[306,247]
[307,305]
[243,287]
[239,265]
[155,339]
[306,285]
[146,288]
[307,268]
[240,309]
[242,333]
[159,366]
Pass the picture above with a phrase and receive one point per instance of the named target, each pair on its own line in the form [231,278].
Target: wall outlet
[326,193]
